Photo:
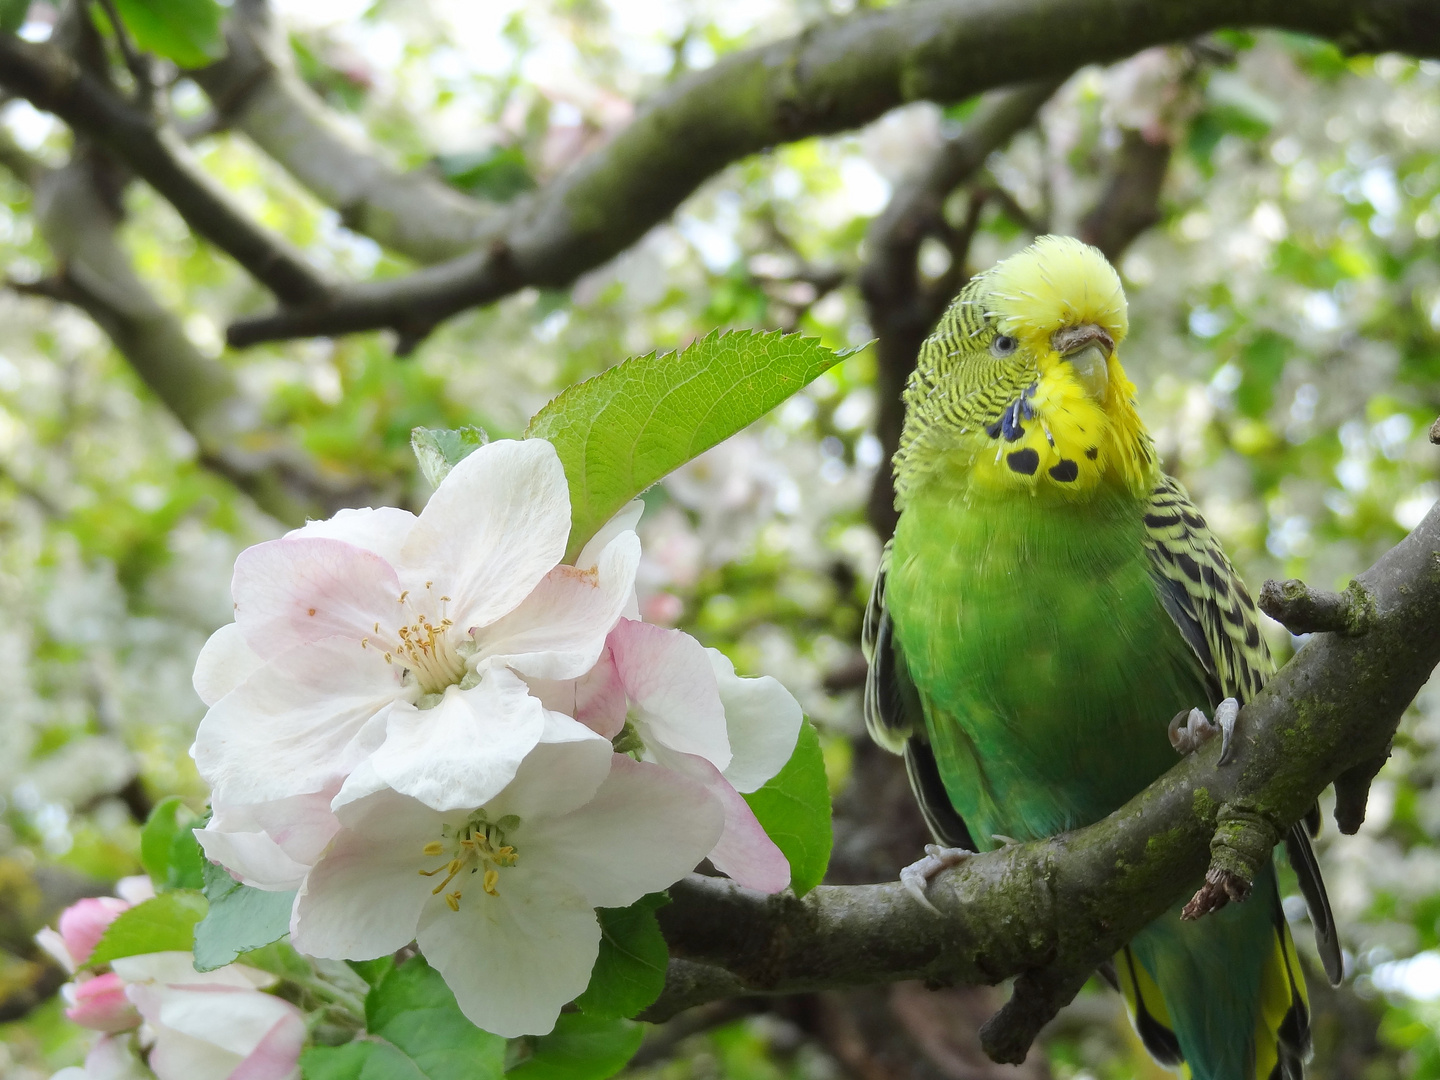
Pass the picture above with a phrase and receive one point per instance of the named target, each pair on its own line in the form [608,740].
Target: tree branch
[832,77]
[256,89]
[53,81]
[1054,909]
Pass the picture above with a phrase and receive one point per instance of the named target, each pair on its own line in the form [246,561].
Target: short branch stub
[1303,610]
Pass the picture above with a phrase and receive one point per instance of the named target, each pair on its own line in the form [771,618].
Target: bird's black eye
[1002,345]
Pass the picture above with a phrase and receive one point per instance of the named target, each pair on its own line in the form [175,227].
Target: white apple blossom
[212,1025]
[665,698]
[399,640]
[501,897]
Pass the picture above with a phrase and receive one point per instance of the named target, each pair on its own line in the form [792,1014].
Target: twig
[137,63]
[53,81]
[1303,610]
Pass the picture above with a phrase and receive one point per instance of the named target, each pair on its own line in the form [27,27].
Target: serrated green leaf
[582,1047]
[12,15]
[372,971]
[169,851]
[629,973]
[794,810]
[415,1011]
[623,430]
[186,31]
[438,450]
[165,923]
[239,919]
[361,1060]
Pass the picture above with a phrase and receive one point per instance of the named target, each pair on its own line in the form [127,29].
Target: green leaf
[415,1011]
[623,430]
[362,1060]
[240,919]
[12,15]
[372,971]
[169,851]
[581,1047]
[439,450]
[186,31]
[794,810]
[498,174]
[163,924]
[629,973]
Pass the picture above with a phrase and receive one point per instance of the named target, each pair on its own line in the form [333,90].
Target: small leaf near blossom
[794,810]
[582,1047]
[239,919]
[626,428]
[438,450]
[629,973]
[168,850]
[164,924]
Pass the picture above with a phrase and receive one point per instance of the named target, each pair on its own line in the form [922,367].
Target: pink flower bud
[100,1003]
[83,923]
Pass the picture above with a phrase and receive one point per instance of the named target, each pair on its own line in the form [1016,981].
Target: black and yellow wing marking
[895,718]
[1214,611]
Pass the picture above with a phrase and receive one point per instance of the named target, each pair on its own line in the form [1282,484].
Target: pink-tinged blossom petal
[210,1032]
[599,697]
[383,530]
[465,749]
[744,851]
[514,959]
[364,896]
[54,945]
[294,592]
[763,722]
[560,628]
[84,922]
[298,724]
[646,828]
[497,524]
[223,664]
[671,687]
[100,1003]
[270,845]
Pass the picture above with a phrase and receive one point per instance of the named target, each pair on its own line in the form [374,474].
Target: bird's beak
[1087,349]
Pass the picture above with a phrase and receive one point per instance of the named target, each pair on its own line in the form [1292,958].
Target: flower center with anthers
[479,847]
[426,649]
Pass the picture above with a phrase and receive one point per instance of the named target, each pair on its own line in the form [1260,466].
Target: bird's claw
[1191,730]
[917,875]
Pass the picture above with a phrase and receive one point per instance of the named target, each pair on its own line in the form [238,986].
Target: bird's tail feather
[1222,998]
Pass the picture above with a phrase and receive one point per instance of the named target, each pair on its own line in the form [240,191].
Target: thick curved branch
[52,80]
[256,90]
[1057,908]
[832,77]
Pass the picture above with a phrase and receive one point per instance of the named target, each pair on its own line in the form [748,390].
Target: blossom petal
[289,592]
[497,524]
[178,969]
[253,858]
[744,851]
[462,752]
[560,628]
[277,1055]
[512,960]
[382,530]
[84,923]
[600,697]
[562,773]
[624,521]
[364,896]
[668,677]
[645,829]
[209,1031]
[100,1004]
[298,724]
[224,663]
[763,721]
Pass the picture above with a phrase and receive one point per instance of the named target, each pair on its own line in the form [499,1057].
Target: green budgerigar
[1049,601]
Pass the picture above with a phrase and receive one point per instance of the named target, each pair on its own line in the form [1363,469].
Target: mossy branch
[1052,910]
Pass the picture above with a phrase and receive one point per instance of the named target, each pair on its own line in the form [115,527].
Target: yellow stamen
[434,847]
[491,877]
[452,900]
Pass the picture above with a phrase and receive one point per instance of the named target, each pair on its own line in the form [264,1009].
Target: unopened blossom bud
[100,1003]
